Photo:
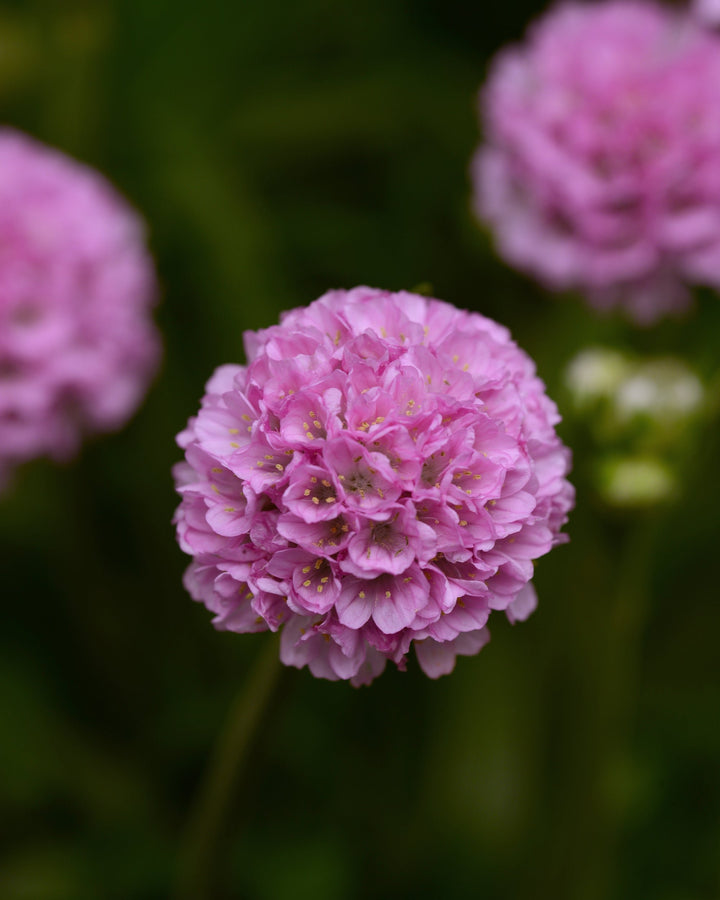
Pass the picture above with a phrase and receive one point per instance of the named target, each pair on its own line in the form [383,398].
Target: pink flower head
[383,472]
[601,167]
[707,12]
[77,346]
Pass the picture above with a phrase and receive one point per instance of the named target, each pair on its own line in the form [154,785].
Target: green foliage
[277,150]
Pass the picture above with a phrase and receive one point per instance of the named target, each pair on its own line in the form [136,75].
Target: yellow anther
[361,595]
[329,499]
[316,501]
[280,467]
[234,430]
[388,595]
[234,445]
[307,583]
[229,509]
[319,563]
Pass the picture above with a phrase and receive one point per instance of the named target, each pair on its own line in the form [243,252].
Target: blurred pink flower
[708,12]
[601,165]
[77,346]
[383,472]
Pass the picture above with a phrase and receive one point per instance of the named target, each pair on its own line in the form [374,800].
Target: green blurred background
[278,149]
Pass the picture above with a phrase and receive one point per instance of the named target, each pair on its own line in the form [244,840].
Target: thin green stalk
[588,804]
[218,788]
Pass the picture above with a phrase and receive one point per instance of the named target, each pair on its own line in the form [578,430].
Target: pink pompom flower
[601,165]
[77,346]
[383,472]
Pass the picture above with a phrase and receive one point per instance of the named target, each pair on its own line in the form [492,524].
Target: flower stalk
[222,776]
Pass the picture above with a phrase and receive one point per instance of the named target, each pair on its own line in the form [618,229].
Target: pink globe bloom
[383,472]
[77,346]
[601,167]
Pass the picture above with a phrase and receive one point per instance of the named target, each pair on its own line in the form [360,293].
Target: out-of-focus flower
[383,472]
[620,394]
[77,346]
[663,390]
[707,12]
[601,165]
[643,417]
[595,374]
[637,482]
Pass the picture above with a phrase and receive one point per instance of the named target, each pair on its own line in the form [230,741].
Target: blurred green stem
[590,800]
[217,790]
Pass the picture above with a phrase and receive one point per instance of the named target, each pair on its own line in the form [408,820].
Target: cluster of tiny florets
[383,472]
[601,165]
[77,346]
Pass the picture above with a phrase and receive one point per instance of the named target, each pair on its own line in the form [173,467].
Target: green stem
[218,787]
[585,805]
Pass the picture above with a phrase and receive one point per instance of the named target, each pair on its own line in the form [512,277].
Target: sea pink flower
[77,346]
[707,12]
[601,164]
[383,472]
